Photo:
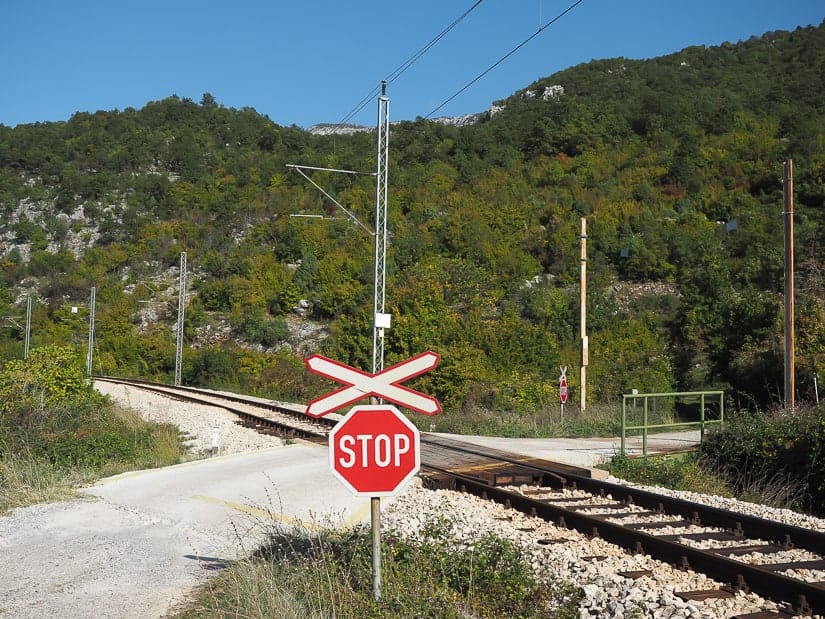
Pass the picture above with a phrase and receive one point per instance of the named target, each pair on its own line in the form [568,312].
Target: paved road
[587,452]
[139,541]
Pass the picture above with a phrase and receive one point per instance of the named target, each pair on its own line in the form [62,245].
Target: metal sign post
[379,433]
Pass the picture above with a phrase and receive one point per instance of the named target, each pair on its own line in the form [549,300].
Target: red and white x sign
[384,384]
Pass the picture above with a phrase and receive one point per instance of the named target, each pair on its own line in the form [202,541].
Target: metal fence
[707,406]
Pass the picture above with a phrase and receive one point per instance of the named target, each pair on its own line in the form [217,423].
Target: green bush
[776,454]
[53,439]
[678,472]
[86,431]
[50,374]
[254,326]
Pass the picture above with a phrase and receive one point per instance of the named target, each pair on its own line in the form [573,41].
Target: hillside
[676,162]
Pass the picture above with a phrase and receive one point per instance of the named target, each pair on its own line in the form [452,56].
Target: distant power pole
[27,339]
[181,309]
[790,386]
[583,316]
[91,332]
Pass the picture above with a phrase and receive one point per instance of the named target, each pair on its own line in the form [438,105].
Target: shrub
[678,472]
[760,453]
[253,325]
[50,374]
[328,573]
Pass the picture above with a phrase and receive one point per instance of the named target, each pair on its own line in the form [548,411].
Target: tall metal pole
[181,310]
[27,339]
[378,315]
[790,386]
[89,353]
[583,316]
[383,131]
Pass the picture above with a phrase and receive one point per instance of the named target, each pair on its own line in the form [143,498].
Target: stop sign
[374,450]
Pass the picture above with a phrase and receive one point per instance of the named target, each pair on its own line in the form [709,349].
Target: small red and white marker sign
[563,385]
[384,384]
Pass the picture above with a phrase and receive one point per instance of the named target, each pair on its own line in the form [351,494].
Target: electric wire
[406,65]
[506,56]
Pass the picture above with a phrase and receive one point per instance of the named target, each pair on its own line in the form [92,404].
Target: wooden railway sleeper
[738,532]
[802,607]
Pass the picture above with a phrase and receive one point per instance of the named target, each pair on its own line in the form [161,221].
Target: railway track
[265,416]
[780,562]
[777,561]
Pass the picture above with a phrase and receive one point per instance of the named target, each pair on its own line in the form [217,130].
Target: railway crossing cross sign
[384,384]
[563,385]
[374,450]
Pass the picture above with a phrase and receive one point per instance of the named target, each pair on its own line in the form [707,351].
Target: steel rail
[740,525]
[208,398]
[804,597]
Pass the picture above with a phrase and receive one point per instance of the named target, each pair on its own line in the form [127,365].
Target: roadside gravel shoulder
[204,427]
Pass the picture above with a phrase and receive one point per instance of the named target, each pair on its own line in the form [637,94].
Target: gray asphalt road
[137,543]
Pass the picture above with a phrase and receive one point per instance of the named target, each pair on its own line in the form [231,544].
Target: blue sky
[311,61]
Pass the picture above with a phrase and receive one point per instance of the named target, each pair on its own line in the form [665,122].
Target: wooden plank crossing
[496,466]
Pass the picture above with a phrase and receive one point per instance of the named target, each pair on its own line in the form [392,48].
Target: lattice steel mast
[379,317]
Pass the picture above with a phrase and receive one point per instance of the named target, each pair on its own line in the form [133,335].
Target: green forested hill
[676,163]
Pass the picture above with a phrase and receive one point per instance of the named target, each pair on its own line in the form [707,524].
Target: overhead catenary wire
[406,65]
[506,56]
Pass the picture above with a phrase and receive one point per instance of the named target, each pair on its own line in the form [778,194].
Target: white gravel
[208,429]
[592,565]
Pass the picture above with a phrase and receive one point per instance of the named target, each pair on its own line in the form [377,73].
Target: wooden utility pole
[583,316]
[790,386]
[181,312]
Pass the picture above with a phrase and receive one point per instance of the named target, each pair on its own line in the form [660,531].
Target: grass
[303,574]
[547,422]
[677,472]
[27,480]
[47,451]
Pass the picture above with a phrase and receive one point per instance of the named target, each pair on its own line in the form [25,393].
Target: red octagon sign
[374,450]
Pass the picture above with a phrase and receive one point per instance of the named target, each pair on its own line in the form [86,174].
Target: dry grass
[27,481]
[29,476]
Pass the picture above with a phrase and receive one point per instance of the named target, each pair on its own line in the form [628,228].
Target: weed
[47,448]
[678,472]
[328,574]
